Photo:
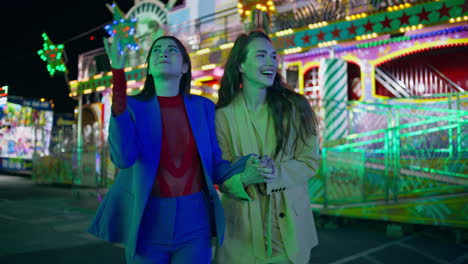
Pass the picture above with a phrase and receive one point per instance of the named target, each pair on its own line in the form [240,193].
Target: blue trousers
[174,231]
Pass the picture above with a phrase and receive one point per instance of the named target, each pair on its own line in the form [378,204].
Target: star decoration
[404,19]
[336,33]
[290,40]
[444,11]
[369,26]
[306,39]
[124,28]
[352,29]
[423,15]
[386,23]
[321,36]
[52,54]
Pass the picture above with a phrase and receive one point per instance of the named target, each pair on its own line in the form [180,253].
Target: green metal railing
[402,151]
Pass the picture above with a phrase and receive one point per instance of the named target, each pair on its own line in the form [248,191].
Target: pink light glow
[218,71]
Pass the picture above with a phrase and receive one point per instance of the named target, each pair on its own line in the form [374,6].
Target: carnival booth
[25,131]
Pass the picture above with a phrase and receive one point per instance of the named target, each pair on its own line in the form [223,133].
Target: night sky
[23,23]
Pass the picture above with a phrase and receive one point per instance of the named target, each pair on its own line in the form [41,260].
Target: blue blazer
[135,148]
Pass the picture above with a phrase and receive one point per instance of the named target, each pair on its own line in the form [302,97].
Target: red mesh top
[179,172]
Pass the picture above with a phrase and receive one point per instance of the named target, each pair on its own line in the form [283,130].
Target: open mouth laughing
[270,73]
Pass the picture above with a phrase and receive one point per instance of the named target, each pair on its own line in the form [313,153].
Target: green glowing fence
[397,150]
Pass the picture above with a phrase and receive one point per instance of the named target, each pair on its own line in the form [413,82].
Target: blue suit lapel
[155,124]
[197,120]
[150,129]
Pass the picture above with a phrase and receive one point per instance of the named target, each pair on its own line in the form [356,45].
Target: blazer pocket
[117,193]
[231,220]
[231,211]
[129,194]
[301,206]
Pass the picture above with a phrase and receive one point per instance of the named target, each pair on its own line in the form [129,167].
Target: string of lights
[86,33]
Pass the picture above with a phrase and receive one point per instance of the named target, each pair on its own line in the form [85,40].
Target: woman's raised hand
[117,52]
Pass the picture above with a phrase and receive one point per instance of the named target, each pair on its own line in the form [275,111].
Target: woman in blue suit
[163,206]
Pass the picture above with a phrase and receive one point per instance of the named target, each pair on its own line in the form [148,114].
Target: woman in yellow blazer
[268,222]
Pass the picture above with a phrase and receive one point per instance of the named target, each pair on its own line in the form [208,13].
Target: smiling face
[260,65]
[166,59]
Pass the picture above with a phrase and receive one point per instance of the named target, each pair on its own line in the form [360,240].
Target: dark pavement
[47,224]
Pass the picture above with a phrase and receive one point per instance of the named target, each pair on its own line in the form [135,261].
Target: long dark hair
[184,87]
[281,99]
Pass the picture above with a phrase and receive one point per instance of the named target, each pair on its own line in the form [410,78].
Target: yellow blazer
[240,132]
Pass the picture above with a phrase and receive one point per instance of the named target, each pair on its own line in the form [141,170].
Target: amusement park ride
[387,80]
